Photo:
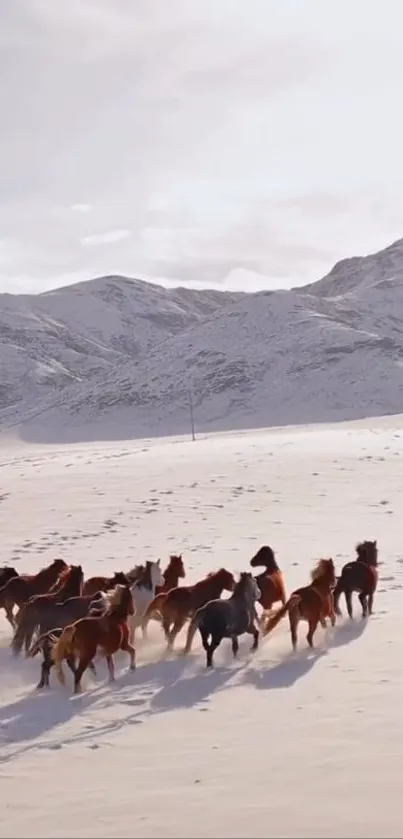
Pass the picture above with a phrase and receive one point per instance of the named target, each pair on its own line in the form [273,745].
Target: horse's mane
[321,568]
[211,575]
[114,596]
[63,576]
[135,573]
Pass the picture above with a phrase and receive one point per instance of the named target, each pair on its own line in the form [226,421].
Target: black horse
[229,618]
[360,575]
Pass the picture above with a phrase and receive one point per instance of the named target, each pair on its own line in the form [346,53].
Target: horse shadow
[295,665]
[34,714]
[177,684]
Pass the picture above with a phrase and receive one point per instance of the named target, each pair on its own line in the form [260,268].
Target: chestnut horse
[69,584]
[312,603]
[270,581]
[47,640]
[18,590]
[360,575]
[94,584]
[180,603]
[110,632]
[174,572]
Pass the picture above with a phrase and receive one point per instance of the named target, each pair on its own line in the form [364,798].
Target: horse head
[265,556]
[368,552]
[176,566]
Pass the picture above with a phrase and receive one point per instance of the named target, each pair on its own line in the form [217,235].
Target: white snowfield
[275,744]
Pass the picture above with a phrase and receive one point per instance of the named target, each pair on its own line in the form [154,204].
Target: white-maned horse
[143,592]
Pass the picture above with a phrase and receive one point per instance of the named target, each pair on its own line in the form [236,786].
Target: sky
[202,142]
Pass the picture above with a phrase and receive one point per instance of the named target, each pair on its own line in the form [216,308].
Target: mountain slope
[48,341]
[269,358]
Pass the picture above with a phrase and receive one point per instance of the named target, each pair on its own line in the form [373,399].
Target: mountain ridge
[115,357]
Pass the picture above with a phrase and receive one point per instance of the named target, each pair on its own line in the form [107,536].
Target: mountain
[331,350]
[49,341]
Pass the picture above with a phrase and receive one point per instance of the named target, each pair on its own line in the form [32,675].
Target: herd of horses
[68,618]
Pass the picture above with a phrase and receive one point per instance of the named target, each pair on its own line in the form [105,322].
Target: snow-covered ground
[305,745]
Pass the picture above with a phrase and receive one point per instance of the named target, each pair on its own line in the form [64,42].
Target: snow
[114,358]
[275,744]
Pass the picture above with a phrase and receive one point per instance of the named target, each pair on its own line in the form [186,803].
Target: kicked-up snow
[275,744]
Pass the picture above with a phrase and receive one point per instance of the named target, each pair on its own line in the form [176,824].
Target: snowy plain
[276,744]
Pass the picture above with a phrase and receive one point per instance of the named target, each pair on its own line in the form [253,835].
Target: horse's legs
[111,668]
[348,594]
[363,600]
[83,663]
[293,617]
[235,645]
[253,630]
[370,603]
[28,640]
[127,647]
[166,625]
[44,680]
[179,622]
[132,628]
[8,607]
[313,623]
[209,647]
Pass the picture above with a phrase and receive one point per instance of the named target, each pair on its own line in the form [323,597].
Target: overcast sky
[197,140]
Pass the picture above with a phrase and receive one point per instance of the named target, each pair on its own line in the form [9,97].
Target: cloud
[214,134]
[107,238]
[81,208]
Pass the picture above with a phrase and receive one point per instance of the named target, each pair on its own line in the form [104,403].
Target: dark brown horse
[174,572]
[94,584]
[270,581]
[180,603]
[69,584]
[109,632]
[360,575]
[7,572]
[313,603]
[18,590]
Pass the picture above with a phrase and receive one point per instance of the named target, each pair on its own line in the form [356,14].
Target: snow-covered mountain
[130,352]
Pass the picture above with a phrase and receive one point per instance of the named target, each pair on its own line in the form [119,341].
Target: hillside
[50,340]
[330,351]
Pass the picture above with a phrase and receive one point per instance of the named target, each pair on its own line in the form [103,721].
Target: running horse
[228,618]
[110,632]
[69,584]
[270,581]
[94,584]
[312,603]
[19,589]
[174,572]
[360,575]
[180,603]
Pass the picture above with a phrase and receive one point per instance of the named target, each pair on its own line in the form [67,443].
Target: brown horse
[270,581]
[69,584]
[312,603]
[7,572]
[174,572]
[180,603]
[94,584]
[109,632]
[360,575]
[18,590]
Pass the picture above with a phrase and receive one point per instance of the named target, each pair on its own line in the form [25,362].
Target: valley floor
[276,744]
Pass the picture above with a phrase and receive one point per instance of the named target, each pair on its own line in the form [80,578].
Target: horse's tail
[27,620]
[270,623]
[153,608]
[38,645]
[62,648]
[3,593]
[192,629]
